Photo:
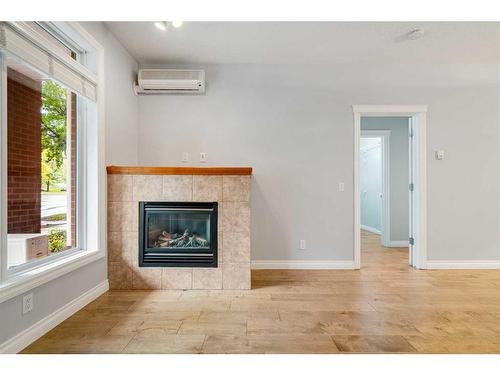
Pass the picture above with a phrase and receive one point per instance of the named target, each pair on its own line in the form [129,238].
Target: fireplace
[177,234]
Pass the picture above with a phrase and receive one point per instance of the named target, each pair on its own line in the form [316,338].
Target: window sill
[28,280]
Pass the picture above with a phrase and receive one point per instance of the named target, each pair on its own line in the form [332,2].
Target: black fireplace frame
[199,258]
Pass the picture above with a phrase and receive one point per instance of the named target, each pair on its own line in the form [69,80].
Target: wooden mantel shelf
[240,171]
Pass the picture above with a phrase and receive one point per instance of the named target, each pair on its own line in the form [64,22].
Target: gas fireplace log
[187,239]
[165,236]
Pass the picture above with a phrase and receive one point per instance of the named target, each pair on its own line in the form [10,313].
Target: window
[41,167]
[51,189]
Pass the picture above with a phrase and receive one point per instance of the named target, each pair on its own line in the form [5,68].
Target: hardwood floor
[384,307]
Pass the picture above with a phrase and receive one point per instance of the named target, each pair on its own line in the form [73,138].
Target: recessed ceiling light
[416,34]
[162,25]
[176,24]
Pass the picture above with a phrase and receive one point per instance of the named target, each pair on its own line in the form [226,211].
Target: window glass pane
[42,178]
[174,229]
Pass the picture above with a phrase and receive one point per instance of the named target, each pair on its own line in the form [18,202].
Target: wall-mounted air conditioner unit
[170,81]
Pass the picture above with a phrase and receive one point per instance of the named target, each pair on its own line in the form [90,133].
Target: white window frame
[91,187]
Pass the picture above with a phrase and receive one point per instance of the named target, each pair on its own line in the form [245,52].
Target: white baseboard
[370,229]
[37,330]
[304,264]
[397,244]
[463,264]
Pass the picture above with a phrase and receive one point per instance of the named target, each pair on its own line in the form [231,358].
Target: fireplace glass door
[178,234]
[174,228]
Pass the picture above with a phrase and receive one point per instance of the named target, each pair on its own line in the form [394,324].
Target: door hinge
[412,186]
[411,241]
[411,133]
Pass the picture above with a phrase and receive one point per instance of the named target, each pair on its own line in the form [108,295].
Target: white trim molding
[303,264]
[92,215]
[398,244]
[370,229]
[37,330]
[389,110]
[463,264]
[26,281]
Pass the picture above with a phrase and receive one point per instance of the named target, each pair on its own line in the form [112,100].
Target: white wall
[122,108]
[370,183]
[398,175]
[294,125]
[121,148]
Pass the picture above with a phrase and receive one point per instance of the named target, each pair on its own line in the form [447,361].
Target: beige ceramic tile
[123,247]
[119,188]
[235,217]
[147,188]
[146,278]
[236,247]
[236,276]
[123,216]
[120,275]
[176,278]
[177,188]
[220,216]
[207,188]
[207,278]
[236,188]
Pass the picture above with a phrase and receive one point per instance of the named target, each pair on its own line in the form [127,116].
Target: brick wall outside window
[24,154]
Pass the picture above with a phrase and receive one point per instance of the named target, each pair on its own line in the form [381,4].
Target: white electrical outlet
[27,303]
[341,186]
[302,245]
[185,157]
[203,157]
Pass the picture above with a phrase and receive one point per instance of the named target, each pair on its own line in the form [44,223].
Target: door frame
[385,222]
[418,160]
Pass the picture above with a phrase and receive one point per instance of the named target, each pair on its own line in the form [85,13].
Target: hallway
[375,256]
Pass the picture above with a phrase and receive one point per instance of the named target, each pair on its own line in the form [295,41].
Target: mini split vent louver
[170,81]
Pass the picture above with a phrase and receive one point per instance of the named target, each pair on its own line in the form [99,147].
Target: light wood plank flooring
[384,307]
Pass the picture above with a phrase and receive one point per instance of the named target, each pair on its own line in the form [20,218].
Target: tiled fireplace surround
[127,186]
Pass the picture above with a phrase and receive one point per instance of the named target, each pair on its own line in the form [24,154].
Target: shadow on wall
[268,220]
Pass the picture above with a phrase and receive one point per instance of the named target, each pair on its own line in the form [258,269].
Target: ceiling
[310,42]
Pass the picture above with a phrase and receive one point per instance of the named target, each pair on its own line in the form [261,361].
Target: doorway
[415,189]
[375,183]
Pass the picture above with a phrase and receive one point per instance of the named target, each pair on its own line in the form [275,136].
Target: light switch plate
[302,244]
[439,154]
[341,186]
[203,157]
[185,157]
